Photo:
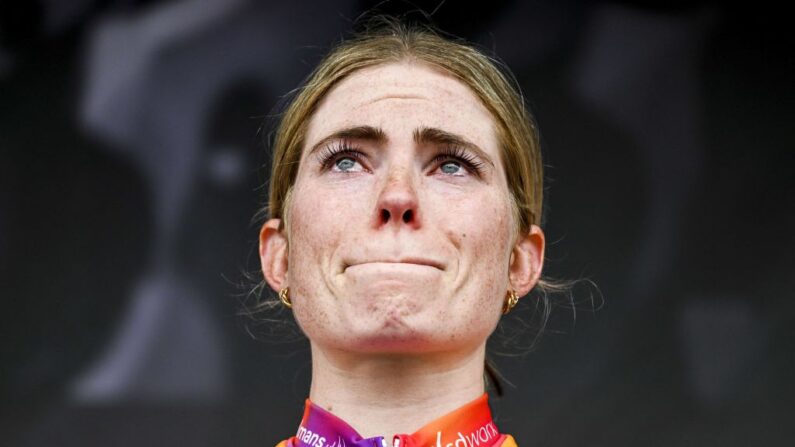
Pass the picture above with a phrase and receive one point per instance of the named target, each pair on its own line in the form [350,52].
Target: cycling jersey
[468,426]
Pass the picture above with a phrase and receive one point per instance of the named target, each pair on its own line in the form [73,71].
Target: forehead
[400,97]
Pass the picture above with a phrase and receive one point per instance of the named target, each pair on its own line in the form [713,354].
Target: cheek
[322,220]
[487,246]
[482,278]
[319,214]
[482,232]
[311,230]
[481,227]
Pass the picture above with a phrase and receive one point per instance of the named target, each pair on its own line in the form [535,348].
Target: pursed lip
[410,260]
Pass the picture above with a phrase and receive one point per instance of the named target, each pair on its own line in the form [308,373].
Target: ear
[527,260]
[273,254]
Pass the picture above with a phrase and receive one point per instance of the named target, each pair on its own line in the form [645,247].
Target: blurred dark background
[132,163]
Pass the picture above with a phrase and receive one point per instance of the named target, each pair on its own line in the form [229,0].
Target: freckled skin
[463,222]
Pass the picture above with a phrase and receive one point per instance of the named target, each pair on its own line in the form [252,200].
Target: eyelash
[456,153]
[332,152]
[338,149]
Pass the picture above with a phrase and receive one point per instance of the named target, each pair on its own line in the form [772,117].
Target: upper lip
[407,260]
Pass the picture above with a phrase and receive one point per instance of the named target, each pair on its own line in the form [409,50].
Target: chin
[398,335]
[395,344]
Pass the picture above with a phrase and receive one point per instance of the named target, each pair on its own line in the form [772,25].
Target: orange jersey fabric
[468,426]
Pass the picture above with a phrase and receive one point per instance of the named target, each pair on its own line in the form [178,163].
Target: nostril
[407,216]
[385,216]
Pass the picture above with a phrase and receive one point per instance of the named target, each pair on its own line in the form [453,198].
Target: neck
[384,395]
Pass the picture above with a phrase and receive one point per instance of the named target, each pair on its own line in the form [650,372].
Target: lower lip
[401,268]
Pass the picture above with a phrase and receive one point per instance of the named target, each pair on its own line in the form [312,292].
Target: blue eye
[451,167]
[345,164]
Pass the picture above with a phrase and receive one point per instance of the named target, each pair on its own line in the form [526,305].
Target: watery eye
[450,167]
[345,164]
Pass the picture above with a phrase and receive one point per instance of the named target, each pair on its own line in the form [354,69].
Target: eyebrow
[422,135]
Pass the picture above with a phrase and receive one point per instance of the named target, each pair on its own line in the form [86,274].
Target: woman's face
[400,224]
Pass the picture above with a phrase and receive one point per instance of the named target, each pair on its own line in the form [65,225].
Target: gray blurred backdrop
[132,162]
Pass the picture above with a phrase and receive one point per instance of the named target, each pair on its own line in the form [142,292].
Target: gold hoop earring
[510,302]
[284,297]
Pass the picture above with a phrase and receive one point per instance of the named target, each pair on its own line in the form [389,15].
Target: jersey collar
[468,426]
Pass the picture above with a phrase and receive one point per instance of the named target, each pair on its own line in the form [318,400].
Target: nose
[398,203]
